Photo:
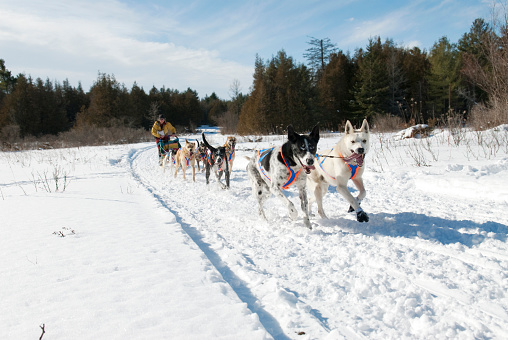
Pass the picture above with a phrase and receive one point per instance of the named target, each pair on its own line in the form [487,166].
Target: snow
[412,131]
[127,251]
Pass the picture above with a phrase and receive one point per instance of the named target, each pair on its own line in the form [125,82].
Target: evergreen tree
[7,81]
[334,91]
[191,110]
[254,114]
[108,103]
[397,81]
[19,109]
[75,100]
[474,45]
[212,107]
[140,105]
[282,94]
[444,77]
[49,116]
[371,87]
[416,66]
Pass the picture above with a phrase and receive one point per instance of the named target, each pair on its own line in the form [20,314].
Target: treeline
[35,107]
[468,78]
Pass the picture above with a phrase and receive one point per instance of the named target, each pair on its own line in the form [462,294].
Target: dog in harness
[216,162]
[185,158]
[344,162]
[273,170]
[201,156]
[230,146]
[169,159]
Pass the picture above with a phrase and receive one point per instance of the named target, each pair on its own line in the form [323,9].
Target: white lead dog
[340,164]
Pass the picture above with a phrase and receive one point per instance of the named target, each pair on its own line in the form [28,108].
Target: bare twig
[43,326]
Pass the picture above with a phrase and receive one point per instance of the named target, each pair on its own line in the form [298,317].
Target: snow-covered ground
[123,250]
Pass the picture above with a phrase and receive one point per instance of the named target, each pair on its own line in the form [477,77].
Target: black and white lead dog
[276,169]
[216,162]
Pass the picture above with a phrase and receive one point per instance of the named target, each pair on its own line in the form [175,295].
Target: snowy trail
[426,264]
[146,255]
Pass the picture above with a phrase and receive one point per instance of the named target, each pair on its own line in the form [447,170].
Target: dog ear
[292,135]
[365,126]
[211,148]
[315,133]
[349,127]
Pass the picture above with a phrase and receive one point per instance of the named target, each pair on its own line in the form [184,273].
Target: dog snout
[361,151]
[310,161]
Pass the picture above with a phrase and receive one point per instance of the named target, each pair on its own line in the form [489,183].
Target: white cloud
[200,44]
[110,38]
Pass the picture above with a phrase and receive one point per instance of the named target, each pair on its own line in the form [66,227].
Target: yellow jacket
[157,129]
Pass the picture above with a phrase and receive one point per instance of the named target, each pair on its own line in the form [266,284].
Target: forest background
[451,84]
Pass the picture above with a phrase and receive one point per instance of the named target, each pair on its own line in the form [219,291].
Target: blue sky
[206,45]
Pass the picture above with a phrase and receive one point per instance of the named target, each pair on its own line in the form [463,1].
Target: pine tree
[19,107]
[444,76]
[108,103]
[397,81]
[75,100]
[371,88]
[254,114]
[140,105]
[474,45]
[334,91]
[192,113]
[416,66]
[7,81]
[49,116]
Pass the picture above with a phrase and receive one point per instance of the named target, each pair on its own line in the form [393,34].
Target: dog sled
[166,146]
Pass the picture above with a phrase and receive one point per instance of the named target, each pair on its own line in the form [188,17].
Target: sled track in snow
[342,276]
[216,242]
[239,286]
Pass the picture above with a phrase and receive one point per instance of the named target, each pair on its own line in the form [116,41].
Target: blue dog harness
[292,175]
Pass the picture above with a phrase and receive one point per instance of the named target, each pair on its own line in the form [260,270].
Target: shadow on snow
[412,225]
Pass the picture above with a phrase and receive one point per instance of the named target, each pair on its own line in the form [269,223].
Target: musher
[162,130]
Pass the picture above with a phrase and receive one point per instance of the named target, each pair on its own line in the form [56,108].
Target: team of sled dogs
[218,160]
[296,162]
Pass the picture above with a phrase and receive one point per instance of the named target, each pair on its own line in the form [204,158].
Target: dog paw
[306,222]
[362,216]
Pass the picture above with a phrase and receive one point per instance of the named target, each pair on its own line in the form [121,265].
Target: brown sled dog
[186,157]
